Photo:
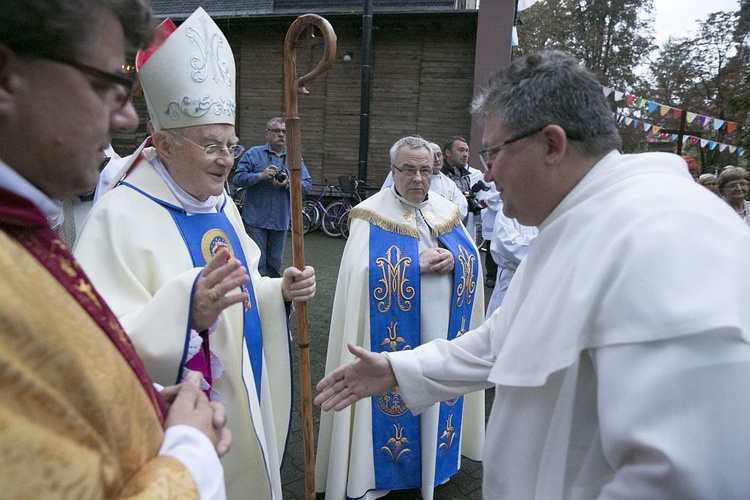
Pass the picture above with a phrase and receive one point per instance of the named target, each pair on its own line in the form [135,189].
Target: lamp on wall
[347,57]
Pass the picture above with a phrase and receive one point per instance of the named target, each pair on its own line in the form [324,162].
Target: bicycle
[333,217]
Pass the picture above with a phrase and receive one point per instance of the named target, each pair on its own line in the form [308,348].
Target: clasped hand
[188,405]
[436,260]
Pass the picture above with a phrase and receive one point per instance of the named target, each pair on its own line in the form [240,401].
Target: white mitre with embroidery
[188,74]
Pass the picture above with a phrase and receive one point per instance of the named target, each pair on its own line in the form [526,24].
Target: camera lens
[280,176]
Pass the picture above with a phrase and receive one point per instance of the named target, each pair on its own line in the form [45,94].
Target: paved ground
[324,254]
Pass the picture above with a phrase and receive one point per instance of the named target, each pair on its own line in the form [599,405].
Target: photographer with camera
[263,175]
[455,166]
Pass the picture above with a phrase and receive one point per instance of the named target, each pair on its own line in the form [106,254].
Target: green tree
[611,37]
[707,74]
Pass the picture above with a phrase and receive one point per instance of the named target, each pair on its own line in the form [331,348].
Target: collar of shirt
[13,181]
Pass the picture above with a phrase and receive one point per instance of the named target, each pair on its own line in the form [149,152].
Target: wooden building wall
[422,81]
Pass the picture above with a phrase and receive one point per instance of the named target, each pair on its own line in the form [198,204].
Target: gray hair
[551,87]
[275,119]
[412,143]
[61,28]
[732,173]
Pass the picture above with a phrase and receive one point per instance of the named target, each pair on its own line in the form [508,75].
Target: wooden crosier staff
[293,86]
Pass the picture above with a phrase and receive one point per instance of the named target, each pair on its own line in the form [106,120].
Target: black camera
[471,197]
[281,175]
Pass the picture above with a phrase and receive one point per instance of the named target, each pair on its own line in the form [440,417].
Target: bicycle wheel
[306,223]
[332,217]
[310,207]
[344,225]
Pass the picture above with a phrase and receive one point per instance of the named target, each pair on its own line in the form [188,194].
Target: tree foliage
[706,73]
[609,36]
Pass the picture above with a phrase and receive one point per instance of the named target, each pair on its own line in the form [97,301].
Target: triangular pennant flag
[702,120]
[663,109]
[718,123]
[676,113]
[607,91]
[674,137]
[740,151]
[704,142]
[646,126]
[722,147]
[693,140]
[640,102]
[652,107]
[732,149]
[656,129]
[636,123]
[712,145]
[629,99]
[731,127]
[618,95]
[628,120]
[690,117]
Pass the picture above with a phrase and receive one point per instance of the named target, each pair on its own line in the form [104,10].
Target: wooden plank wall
[422,84]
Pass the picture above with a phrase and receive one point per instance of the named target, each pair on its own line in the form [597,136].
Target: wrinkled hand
[190,406]
[221,275]
[368,375]
[298,286]
[170,392]
[436,260]
[268,173]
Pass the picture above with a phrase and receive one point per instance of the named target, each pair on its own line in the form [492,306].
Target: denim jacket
[265,205]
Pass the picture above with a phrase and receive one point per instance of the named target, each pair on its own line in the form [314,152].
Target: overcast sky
[678,17]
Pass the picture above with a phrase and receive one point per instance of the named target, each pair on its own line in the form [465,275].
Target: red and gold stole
[29,227]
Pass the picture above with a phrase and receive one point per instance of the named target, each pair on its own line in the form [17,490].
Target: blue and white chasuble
[394,279]
[204,235]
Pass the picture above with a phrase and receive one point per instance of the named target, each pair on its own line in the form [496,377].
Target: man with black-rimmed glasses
[79,414]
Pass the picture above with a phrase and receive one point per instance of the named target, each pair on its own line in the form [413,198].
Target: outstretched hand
[368,375]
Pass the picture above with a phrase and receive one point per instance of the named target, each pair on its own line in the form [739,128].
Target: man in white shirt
[616,373]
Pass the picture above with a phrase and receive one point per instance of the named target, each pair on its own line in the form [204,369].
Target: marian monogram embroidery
[393,285]
[208,63]
[466,287]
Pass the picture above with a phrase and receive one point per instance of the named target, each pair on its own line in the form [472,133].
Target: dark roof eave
[279,13]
